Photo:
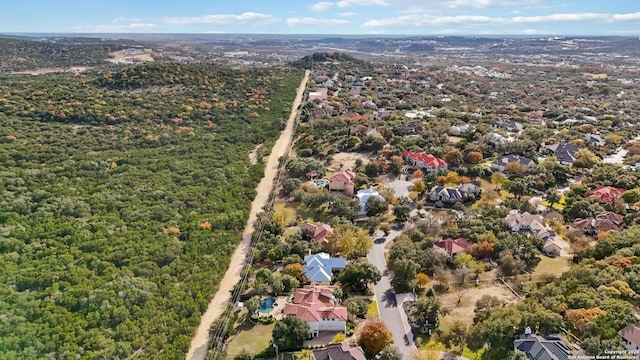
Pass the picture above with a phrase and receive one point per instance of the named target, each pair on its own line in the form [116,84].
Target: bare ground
[199,344]
[464,311]
[346,161]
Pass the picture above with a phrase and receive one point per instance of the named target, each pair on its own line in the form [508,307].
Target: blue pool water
[322,182]
[266,305]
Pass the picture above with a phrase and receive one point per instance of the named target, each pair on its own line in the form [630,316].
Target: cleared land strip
[199,344]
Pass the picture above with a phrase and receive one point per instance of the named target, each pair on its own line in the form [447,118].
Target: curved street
[389,307]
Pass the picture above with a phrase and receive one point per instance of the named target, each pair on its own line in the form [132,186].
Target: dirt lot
[464,311]
[348,161]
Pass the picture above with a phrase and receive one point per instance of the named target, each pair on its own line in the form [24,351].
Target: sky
[401,17]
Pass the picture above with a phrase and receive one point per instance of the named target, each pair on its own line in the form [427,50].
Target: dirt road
[199,344]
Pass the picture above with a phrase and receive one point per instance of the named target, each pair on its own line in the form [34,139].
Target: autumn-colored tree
[452,178]
[422,280]
[464,180]
[481,250]
[350,241]
[374,336]
[621,262]
[339,337]
[294,270]
[514,168]
[396,165]
[453,157]
[205,225]
[498,179]
[581,319]
[278,218]
[603,235]
[473,157]
[612,139]
[418,174]
[386,228]
[418,186]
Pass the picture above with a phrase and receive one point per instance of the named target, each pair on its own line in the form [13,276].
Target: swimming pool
[266,305]
[322,182]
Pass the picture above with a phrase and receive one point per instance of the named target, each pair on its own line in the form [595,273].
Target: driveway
[391,312]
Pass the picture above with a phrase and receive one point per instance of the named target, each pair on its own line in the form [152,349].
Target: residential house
[508,125]
[340,351]
[418,114]
[451,247]
[563,151]
[529,223]
[317,306]
[424,161]
[446,195]
[470,191]
[551,247]
[497,140]
[605,221]
[594,140]
[606,194]
[343,180]
[320,94]
[450,195]
[319,268]
[543,348]
[364,195]
[501,163]
[631,337]
[317,233]
[457,130]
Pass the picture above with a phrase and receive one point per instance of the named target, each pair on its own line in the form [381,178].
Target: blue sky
[427,17]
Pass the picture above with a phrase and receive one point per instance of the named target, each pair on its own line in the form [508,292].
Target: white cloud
[348,14]
[126,20]
[626,17]
[349,3]
[119,28]
[224,19]
[321,6]
[421,19]
[309,21]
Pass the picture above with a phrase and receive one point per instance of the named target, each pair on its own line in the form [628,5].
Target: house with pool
[316,305]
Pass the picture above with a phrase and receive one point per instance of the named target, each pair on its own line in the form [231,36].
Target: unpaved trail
[199,344]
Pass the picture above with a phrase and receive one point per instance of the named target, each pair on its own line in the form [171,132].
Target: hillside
[18,55]
[119,209]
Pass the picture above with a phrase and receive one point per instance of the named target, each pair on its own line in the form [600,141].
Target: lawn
[438,346]
[287,210]
[555,266]
[487,188]
[372,311]
[559,205]
[250,338]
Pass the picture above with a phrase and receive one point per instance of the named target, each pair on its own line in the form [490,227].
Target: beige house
[343,180]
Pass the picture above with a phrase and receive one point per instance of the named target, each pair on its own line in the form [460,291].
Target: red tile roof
[313,303]
[426,159]
[318,232]
[606,193]
[344,176]
[452,246]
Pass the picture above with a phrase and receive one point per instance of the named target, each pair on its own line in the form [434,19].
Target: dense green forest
[122,197]
[30,54]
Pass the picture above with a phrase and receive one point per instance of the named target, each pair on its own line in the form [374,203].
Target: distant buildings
[563,152]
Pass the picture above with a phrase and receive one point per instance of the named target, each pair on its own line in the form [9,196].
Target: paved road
[390,312]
